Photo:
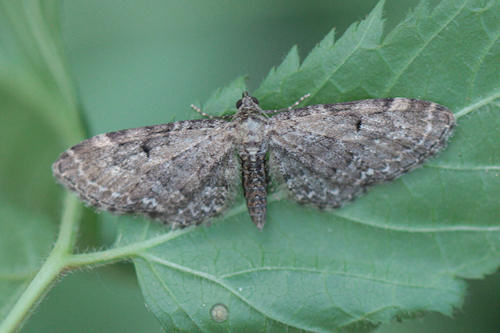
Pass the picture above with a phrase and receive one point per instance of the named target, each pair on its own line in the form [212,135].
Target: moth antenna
[290,108]
[197,109]
[300,100]
[227,117]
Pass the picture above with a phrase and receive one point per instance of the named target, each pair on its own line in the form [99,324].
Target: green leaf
[223,100]
[403,248]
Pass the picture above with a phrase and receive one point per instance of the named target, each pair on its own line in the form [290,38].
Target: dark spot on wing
[145,148]
[358,125]
[388,103]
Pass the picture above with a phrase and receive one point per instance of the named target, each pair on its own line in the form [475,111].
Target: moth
[186,172]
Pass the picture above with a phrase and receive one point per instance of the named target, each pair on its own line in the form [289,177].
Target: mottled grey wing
[180,173]
[328,154]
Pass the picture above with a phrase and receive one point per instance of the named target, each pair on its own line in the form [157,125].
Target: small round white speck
[219,313]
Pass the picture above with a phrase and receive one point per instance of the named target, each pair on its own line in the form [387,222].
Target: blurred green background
[131,60]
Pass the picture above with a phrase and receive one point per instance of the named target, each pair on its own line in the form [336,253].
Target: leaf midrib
[330,272]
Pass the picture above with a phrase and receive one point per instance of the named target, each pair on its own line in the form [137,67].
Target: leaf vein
[480,103]
[439,245]
[217,281]
[317,271]
[365,316]
[167,289]
[485,168]
[395,78]
[478,64]
[434,229]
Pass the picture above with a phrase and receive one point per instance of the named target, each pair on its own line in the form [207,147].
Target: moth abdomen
[255,185]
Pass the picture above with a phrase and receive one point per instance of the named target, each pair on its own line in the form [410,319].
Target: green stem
[49,271]
[121,253]
[61,259]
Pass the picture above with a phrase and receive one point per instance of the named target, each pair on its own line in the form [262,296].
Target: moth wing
[181,173]
[327,154]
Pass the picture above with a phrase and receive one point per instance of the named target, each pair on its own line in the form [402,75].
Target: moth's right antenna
[300,100]
[290,108]
[197,109]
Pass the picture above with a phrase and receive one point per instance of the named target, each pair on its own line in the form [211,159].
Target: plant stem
[123,252]
[50,270]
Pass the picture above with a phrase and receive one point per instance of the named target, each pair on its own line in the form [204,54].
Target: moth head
[247,102]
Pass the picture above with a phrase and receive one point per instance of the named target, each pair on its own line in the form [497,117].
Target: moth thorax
[253,129]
